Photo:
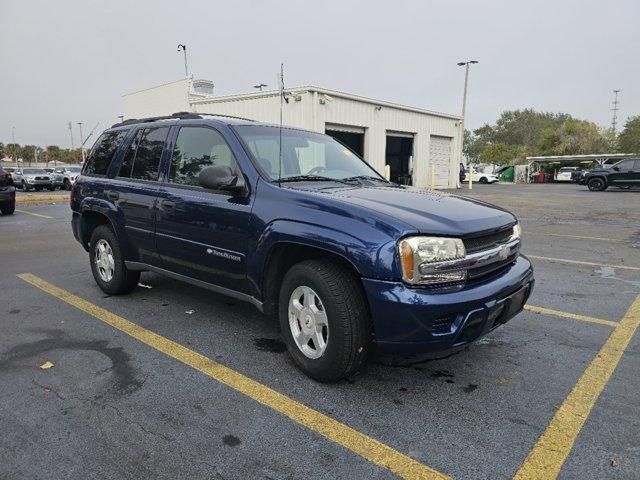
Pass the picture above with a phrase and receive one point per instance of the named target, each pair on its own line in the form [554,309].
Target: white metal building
[408,139]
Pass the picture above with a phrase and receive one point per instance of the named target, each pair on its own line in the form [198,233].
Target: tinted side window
[626,165]
[129,156]
[636,167]
[197,148]
[142,159]
[102,152]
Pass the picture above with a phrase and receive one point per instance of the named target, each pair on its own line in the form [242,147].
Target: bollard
[470,177]
[387,172]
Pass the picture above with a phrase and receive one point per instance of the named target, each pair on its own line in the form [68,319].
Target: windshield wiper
[305,178]
[366,177]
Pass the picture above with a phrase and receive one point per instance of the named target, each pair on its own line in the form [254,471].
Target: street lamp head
[473,61]
[460,64]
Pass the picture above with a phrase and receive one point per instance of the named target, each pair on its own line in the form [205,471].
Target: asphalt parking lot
[176,382]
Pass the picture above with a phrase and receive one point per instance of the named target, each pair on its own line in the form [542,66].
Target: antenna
[281,106]
[614,121]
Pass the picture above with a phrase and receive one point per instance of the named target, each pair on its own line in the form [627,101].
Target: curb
[42,198]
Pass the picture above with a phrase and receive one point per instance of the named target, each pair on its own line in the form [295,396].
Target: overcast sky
[64,60]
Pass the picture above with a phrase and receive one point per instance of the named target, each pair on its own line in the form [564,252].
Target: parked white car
[482,177]
[564,174]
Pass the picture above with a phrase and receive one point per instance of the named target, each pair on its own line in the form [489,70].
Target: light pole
[81,142]
[71,133]
[464,102]
[260,85]
[121,117]
[183,48]
[15,147]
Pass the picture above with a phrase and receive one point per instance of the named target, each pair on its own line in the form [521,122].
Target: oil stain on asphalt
[231,440]
[124,373]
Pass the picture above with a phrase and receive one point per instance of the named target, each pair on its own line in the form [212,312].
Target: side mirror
[617,169]
[220,177]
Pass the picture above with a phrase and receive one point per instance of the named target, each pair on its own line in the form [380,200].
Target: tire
[484,180]
[348,325]
[25,188]
[596,184]
[122,280]
[66,184]
[8,208]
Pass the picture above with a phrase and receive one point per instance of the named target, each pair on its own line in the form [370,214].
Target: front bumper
[421,320]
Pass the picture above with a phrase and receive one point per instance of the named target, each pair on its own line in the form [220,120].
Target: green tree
[1,150]
[629,138]
[52,153]
[499,153]
[13,150]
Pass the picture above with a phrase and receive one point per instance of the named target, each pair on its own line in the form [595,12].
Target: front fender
[371,257]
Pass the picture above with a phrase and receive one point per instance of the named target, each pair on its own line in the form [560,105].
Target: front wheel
[324,319]
[596,184]
[66,184]
[484,180]
[25,188]
[107,263]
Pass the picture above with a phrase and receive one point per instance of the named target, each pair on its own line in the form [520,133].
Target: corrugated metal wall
[312,110]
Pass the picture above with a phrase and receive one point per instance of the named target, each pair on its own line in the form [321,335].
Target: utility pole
[464,101]
[614,121]
[15,147]
[121,117]
[183,48]
[81,142]
[71,133]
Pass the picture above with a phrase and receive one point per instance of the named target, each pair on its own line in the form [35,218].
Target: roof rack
[174,116]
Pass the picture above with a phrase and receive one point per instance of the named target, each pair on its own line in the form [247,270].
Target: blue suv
[296,224]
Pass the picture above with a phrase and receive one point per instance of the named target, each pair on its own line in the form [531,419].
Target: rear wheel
[8,208]
[324,320]
[107,263]
[596,184]
[66,184]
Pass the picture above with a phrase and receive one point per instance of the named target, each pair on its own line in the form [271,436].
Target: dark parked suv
[7,193]
[296,224]
[624,174]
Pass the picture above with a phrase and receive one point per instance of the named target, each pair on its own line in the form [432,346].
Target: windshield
[312,155]
[74,169]
[33,170]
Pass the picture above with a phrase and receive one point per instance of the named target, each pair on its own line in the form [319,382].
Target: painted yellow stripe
[579,262]
[365,446]
[42,198]
[573,316]
[550,452]
[34,214]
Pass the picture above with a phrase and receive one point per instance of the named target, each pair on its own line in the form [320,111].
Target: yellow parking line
[34,214]
[579,262]
[550,452]
[574,316]
[365,446]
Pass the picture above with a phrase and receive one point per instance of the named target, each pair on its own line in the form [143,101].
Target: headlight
[517,231]
[419,254]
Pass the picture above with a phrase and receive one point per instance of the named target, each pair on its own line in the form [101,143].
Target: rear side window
[102,152]
[197,148]
[142,159]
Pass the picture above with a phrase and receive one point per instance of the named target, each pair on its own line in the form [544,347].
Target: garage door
[440,156]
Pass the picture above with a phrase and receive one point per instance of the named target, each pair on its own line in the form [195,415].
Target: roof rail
[173,116]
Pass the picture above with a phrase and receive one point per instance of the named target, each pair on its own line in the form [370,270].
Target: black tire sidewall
[596,184]
[331,365]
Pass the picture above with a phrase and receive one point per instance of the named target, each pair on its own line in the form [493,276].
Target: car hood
[427,211]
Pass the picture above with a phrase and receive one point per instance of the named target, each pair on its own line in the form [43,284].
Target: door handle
[167,205]
[113,195]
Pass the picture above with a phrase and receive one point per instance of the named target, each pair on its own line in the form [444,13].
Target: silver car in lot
[65,177]
[32,179]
